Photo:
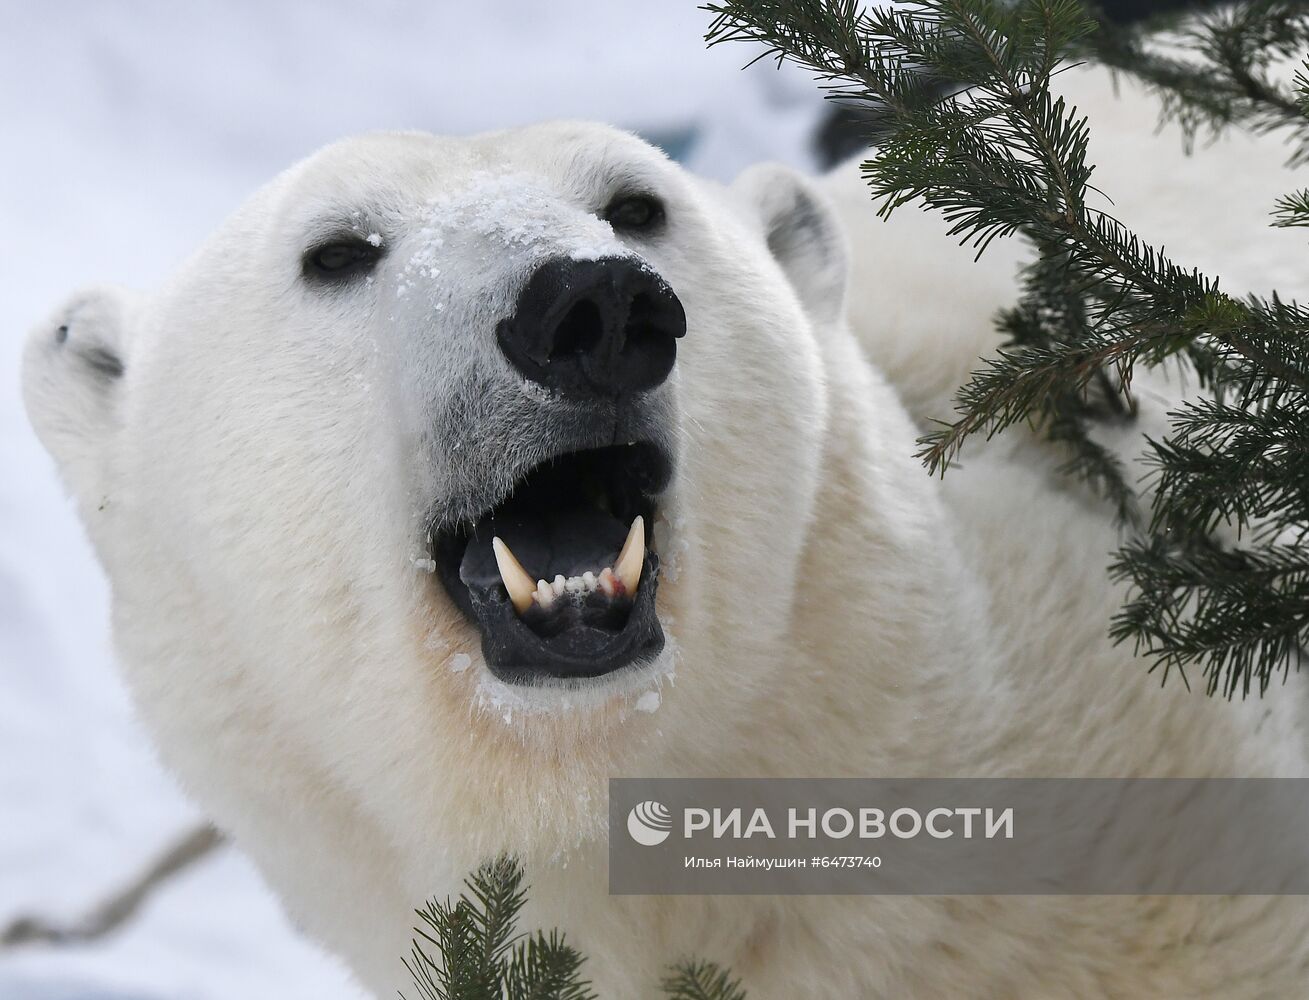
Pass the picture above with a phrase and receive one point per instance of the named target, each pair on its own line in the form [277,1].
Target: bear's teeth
[630,559]
[619,580]
[608,583]
[544,595]
[515,578]
[546,592]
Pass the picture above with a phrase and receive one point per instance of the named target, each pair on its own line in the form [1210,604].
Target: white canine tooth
[558,585]
[630,559]
[515,578]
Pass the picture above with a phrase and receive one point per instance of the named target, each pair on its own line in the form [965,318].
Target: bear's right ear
[73,372]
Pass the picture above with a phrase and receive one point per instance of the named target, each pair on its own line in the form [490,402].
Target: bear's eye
[635,213]
[340,259]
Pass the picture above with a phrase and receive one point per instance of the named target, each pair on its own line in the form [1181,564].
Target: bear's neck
[893,640]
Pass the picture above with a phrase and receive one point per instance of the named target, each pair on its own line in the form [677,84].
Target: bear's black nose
[588,328]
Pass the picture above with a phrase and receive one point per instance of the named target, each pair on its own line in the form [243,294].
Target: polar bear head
[424,477]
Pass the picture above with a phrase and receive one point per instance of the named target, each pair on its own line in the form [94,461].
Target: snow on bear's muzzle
[559,578]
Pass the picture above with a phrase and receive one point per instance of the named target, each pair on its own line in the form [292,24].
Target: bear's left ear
[803,234]
[73,373]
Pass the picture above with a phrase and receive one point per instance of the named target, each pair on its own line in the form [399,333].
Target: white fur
[256,485]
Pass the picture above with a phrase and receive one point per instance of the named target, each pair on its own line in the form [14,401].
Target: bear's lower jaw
[567,520]
[517,654]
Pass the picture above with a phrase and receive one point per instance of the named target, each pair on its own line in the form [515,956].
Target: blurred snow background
[131,128]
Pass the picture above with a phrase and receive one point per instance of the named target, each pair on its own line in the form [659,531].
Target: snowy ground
[131,128]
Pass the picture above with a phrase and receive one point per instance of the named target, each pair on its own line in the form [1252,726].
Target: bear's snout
[594,328]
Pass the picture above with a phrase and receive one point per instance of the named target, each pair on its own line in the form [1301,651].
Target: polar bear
[453,476]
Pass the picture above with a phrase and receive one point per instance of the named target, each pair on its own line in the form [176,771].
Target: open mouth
[559,577]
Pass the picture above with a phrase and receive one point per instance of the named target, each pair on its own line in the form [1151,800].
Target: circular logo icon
[650,823]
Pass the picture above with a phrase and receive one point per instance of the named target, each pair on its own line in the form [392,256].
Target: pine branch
[701,981]
[1292,210]
[477,955]
[1242,612]
[1226,74]
[498,895]
[1246,467]
[544,968]
[467,949]
[459,972]
[972,130]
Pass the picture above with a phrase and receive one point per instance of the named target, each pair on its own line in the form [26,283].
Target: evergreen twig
[468,949]
[1218,68]
[969,126]
[701,981]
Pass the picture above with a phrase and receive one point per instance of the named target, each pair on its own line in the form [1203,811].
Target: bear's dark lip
[584,647]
